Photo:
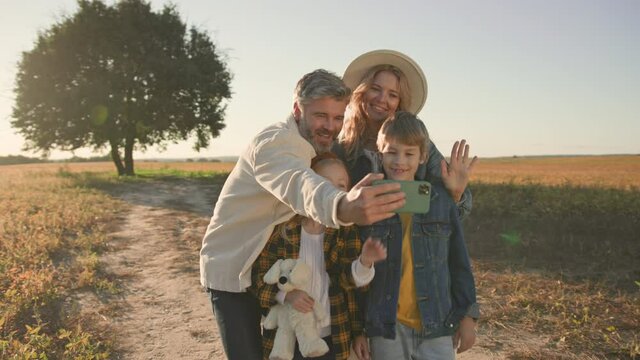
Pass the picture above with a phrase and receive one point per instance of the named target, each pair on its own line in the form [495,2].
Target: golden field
[616,171]
[620,172]
[109,167]
[554,243]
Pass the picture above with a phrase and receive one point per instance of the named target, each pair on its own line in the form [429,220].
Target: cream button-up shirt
[271,182]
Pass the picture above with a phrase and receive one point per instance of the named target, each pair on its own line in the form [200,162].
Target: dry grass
[51,229]
[620,172]
[554,243]
[140,166]
[567,318]
[53,224]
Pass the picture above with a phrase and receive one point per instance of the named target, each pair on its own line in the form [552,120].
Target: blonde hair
[407,129]
[355,124]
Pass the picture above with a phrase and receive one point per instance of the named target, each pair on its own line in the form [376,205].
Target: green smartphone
[418,195]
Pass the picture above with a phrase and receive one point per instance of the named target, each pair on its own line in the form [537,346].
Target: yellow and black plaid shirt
[341,247]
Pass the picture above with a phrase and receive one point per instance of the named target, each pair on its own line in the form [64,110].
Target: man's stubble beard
[308,135]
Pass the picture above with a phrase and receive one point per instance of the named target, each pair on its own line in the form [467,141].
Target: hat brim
[417,80]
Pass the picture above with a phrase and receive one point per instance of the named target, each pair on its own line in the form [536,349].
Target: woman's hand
[456,174]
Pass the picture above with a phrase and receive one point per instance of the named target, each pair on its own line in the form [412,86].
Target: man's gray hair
[319,84]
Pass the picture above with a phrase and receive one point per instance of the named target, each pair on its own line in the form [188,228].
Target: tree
[120,77]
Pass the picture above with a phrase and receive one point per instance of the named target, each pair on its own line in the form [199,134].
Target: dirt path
[162,312]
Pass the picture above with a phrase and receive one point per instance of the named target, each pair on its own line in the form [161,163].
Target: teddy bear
[291,324]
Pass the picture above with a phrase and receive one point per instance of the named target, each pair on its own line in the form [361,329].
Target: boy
[422,301]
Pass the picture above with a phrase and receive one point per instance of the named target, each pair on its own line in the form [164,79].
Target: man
[270,183]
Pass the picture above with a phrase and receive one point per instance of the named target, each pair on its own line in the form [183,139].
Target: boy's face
[400,161]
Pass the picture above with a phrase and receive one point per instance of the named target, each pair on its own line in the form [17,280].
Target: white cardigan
[270,183]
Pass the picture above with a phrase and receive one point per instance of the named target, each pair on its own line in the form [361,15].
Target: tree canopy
[120,77]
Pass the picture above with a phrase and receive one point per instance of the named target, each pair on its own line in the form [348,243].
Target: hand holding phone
[418,195]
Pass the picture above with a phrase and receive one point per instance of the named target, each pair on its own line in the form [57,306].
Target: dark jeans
[238,317]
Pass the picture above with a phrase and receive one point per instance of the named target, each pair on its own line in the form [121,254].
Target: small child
[421,303]
[336,264]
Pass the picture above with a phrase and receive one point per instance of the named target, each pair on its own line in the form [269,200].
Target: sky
[528,77]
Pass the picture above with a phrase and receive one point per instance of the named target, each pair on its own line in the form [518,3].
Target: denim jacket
[367,161]
[445,288]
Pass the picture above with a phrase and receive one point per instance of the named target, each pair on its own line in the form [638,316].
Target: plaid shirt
[341,247]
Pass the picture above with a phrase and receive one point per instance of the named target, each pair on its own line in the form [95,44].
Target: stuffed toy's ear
[287,266]
[271,277]
[300,274]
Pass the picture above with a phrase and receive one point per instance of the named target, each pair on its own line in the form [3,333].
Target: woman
[386,81]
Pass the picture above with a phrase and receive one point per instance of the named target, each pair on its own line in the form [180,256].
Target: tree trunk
[128,156]
[129,139]
[115,156]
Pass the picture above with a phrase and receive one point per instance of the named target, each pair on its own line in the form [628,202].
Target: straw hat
[417,80]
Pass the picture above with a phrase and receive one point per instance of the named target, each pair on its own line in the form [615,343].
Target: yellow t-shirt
[408,312]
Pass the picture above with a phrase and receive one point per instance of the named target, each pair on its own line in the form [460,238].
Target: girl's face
[335,173]
[400,161]
[383,96]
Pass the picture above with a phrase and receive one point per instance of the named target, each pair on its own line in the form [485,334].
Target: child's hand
[372,251]
[465,337]
[300,300]
[455,176]
[361,347]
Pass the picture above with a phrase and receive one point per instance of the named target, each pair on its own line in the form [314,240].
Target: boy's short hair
[405,128]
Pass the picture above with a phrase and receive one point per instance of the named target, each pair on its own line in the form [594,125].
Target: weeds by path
[51,230]
[53,226]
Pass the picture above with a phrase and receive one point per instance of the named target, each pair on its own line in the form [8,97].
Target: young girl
[336,264]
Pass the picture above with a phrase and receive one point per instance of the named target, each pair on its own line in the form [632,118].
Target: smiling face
[382,98]
[403,141]
[320,121]
[400,161]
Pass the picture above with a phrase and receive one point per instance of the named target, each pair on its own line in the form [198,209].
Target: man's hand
[372,251]
[300,300]
[465,337]
[361,347]
[456,175]
[365,204]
